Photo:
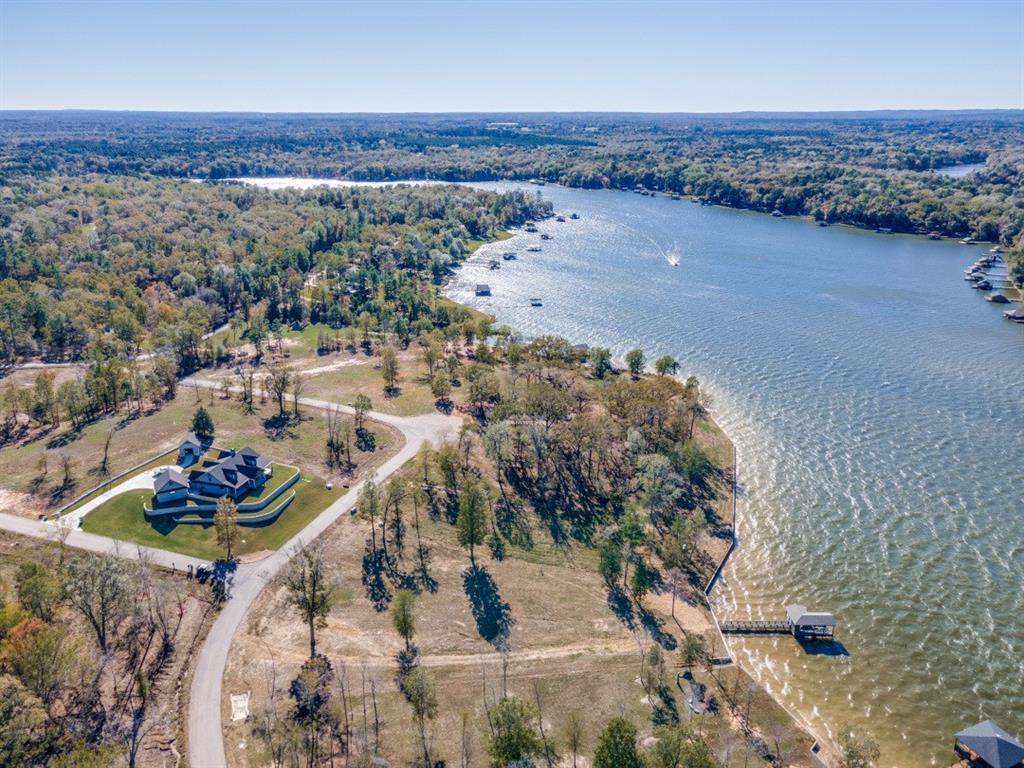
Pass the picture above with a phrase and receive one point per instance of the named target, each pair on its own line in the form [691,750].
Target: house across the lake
[233,474]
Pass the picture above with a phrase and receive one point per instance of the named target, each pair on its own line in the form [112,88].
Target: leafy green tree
[616,747]
[600,359]
[857,748]
[421,692]
[403,615]
[472,520]
[635,362]
[666,365]
[514,738]
[692,650]
[441,386]
[389,368]
[39,590]
[202,423]
[679,746]
[610,561]
[44,659]
[362,405]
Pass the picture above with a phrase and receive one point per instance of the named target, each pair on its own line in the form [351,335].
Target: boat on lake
[508,255]
[535,302]
[534,249]
[560,218]
[494,265]
[545,236]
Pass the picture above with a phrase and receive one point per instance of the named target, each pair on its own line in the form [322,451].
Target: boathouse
[804,623]
[483,289]
[986,744]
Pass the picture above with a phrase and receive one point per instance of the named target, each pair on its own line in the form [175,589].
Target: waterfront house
[804,623]
[234,475]
[986,745]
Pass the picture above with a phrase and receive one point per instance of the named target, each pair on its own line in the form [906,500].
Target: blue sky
[494,56]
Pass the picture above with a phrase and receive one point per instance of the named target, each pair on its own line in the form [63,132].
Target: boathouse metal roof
[799,616]
[992,744]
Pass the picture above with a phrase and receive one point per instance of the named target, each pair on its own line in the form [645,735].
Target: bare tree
[298,384]
[105,463]
[225,520]
[311,589]
[100,588]
[279,379]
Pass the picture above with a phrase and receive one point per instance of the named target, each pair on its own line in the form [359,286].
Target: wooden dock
[756,627]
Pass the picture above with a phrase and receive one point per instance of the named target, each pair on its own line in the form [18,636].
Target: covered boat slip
[986,745]
[799,622]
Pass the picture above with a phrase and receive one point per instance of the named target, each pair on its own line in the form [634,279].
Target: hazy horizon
[451,58]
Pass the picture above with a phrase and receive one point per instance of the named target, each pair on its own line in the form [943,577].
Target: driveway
[206,735]
[140,482]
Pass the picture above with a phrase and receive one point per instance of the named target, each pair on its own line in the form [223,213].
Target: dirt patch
[21,504]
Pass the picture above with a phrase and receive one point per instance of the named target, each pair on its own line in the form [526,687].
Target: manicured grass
[138,438]
[162,460]
[122,518]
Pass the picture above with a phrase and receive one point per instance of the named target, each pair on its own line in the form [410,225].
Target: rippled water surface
[877,406]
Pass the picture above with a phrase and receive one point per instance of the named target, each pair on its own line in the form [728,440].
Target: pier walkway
[756,627]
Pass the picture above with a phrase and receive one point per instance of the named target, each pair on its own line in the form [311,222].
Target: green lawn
[122,518]
[162,460]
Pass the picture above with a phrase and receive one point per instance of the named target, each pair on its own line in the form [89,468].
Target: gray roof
[233,471]
[799,616]
[168,479]
[992,744]
[190,439]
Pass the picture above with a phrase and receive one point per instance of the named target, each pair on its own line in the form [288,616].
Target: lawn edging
[252,506]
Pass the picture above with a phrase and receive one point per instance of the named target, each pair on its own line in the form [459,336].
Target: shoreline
[729,660]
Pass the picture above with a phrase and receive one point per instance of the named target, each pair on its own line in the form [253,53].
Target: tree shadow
[366,441]
[444,405]
[620,604]
[664,709]
[493,616]
[392,392]
[656,629]
[278,427]
[374,570]
[220,575]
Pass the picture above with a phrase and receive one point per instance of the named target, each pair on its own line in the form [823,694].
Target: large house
[234,474]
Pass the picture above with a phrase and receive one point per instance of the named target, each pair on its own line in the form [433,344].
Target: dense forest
[860,169]
[105,267]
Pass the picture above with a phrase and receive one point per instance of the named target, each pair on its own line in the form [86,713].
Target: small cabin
[986,745]
[804,623]
[483,289]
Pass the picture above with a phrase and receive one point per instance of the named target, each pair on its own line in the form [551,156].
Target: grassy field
[567,646]
[134,439]
[122,518]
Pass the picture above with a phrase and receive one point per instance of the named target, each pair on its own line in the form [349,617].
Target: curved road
[205,734]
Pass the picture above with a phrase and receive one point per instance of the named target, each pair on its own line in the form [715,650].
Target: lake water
[876,404]
[956,171]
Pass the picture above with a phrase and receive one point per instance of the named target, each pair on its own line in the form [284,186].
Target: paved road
[206,739]
[101,544]
[206,736]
